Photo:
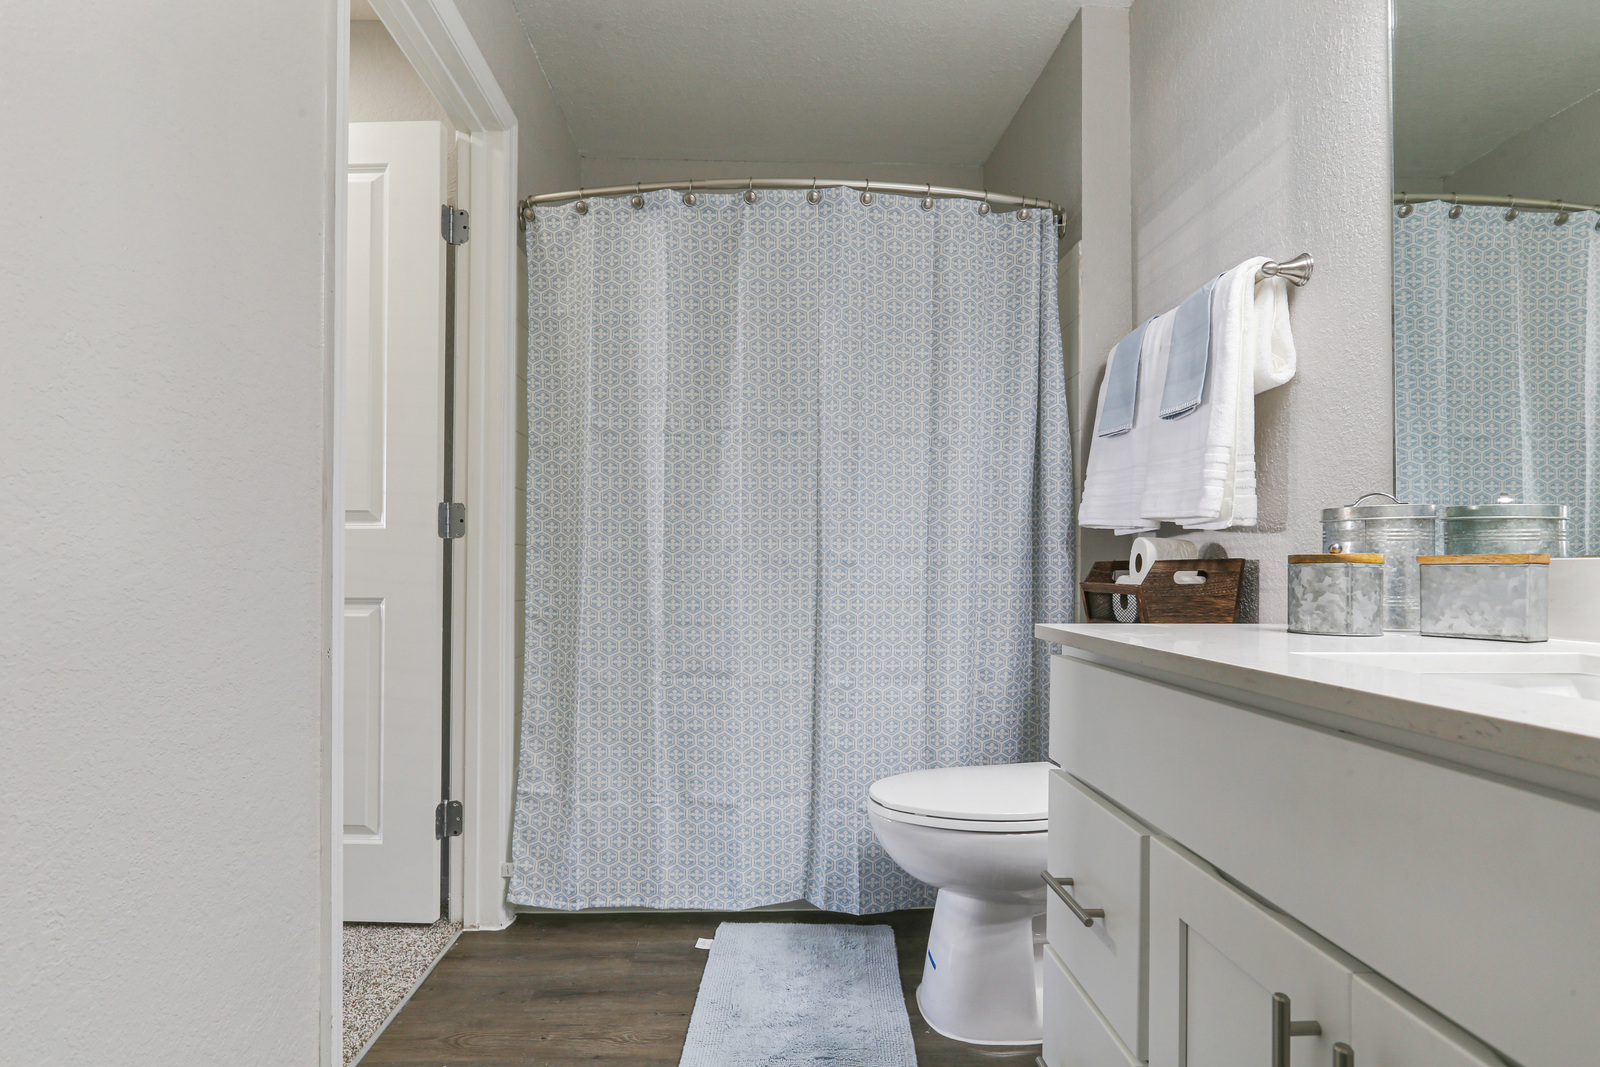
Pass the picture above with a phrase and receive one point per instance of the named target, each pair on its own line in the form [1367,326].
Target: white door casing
[394,569]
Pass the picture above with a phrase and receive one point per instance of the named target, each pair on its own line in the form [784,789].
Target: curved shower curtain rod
[748,186]
[1561,208]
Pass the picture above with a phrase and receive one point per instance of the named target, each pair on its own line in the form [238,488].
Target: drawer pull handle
[1087,916]
[1283,1028]
[1343,1055]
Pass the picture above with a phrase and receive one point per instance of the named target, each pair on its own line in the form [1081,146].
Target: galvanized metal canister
[1336,594]
[1490,597]
[1505,527]
[1397,531]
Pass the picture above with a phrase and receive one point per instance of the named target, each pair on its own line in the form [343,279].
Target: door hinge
[447,818]
[452,521]
[454,225]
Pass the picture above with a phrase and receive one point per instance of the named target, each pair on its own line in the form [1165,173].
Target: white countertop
[1549,730]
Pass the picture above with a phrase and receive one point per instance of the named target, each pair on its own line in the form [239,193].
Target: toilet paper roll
[1146,550]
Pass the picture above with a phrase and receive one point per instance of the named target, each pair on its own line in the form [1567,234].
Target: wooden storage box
[1160,598]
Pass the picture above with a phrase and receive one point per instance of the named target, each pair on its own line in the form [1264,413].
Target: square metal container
[1339,594]
[1492,598]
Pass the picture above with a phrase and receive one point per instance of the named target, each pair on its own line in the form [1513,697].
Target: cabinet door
[1076,1034]
[1390,1028]
[1105,853]
[1217,957]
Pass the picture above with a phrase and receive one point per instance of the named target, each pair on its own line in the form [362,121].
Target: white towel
[1114,480]
[1201,471]
[1269,348]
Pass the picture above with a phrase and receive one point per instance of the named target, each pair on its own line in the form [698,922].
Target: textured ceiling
[1470,74]
[888,81]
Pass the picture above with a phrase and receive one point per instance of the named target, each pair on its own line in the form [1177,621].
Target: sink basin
[1555,673]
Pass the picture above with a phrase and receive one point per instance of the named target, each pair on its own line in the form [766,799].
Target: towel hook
[1296,271]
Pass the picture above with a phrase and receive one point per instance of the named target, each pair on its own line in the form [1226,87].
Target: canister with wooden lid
[1339,593]
[1490,597]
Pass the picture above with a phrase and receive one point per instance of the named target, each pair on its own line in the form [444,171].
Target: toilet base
[982,976]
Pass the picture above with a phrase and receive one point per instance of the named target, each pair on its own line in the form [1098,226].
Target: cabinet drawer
[1076,1034]
[1106,855]
[1390,1028]
[1217,958]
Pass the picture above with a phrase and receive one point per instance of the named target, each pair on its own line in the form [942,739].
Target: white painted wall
[1262,128]
[167,339]
[602,172]
[547,159]
[1070,142]
[1559,159]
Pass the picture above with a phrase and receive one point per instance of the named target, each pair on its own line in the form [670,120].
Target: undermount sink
[1555,673]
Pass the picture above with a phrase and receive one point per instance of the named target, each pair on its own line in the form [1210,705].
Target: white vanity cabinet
[1412,910]
[1394,1029]
[1222,966]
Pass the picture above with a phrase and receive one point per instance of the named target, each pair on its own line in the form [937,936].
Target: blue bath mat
[776,994]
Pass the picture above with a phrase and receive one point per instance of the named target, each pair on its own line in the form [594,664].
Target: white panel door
[394,476]
[1217,957]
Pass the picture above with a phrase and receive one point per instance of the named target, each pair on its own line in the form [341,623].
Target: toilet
[977,834]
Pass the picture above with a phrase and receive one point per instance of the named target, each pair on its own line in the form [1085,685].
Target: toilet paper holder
[1162,597]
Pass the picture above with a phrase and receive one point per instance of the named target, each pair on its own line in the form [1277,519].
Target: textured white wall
[165,344]
[1262,128]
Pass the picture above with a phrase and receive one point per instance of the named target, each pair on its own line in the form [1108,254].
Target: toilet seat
[1010,798]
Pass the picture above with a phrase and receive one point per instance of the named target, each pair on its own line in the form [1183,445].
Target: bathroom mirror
[1497,254]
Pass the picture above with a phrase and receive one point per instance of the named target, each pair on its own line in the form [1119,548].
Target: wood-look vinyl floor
[601,989]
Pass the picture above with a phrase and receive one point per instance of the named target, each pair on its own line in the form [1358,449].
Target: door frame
[435,39]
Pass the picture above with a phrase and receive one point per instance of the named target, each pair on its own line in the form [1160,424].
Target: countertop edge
[1545,745]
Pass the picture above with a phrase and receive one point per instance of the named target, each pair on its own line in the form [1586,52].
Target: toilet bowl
[977,834]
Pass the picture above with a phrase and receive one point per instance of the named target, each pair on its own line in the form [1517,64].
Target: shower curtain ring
[866,194]
[1405,206]
[582,206]
[750,194]
[637,200]
[689,198]
[927,198]
[1455,208]
[984,208]
[1512,213]
[815,195]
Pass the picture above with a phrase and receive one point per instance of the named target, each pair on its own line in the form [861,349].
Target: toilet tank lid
[1004,792]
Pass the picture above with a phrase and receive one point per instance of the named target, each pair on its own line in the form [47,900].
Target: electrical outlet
[505,870]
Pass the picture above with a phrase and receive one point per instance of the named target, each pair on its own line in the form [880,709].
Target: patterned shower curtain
[799,484]
[1497,361]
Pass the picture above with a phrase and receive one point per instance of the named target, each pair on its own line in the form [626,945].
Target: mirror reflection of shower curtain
[1497,360]
[799,487]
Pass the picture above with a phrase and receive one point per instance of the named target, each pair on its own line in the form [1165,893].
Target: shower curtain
[1497,360]
[799,485]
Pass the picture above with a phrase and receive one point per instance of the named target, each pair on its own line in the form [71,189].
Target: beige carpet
[383,963]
